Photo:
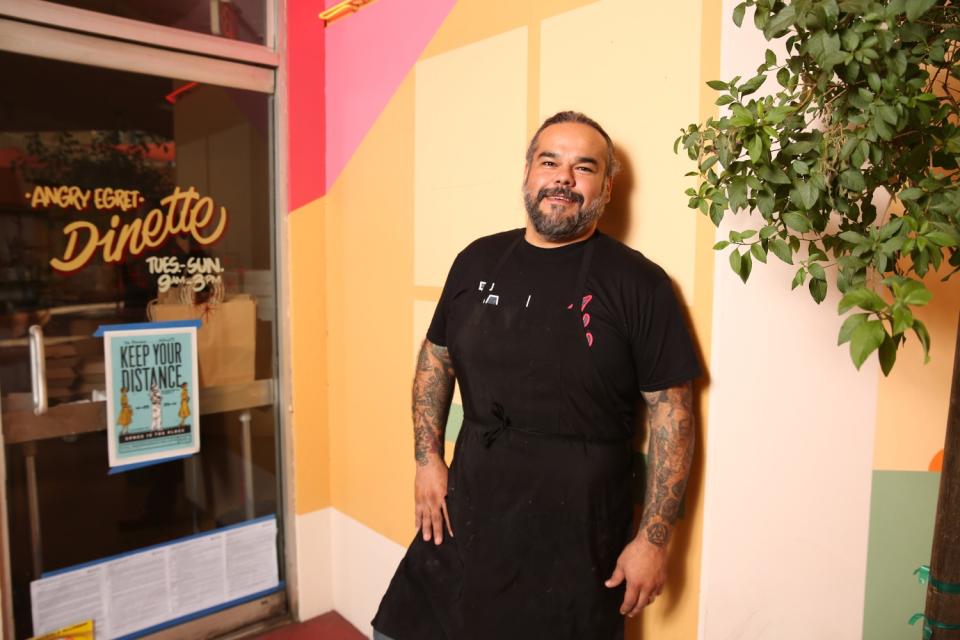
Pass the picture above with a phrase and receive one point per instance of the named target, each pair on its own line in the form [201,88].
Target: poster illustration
[152,384]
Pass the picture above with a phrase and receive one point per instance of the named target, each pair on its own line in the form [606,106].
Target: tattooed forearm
[670,452]
[432,391]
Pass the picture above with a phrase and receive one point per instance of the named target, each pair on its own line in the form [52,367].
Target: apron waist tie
[490,434]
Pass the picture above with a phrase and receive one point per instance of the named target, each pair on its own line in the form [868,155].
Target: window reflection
[242,20]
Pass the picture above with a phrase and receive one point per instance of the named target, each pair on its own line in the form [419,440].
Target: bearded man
[553,332]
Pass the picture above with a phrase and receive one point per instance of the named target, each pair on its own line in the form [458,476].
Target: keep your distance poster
[152,404]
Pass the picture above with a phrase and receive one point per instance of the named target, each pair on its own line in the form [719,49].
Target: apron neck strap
[505,256]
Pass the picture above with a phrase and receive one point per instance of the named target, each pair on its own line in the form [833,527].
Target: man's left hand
[644,566]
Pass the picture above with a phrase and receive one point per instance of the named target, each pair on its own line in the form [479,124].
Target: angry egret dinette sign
[184,213]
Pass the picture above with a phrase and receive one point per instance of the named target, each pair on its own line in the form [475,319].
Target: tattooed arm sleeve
[432,392]
[670,452]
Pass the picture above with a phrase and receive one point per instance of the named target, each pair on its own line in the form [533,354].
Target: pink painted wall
[368,54]
[305,99]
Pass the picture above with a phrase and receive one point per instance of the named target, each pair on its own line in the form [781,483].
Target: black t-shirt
[632,321]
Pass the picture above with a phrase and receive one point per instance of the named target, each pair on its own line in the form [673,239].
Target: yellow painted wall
[369,280]
[309,347]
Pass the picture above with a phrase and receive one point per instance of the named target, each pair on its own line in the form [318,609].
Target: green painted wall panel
[902,509]
[454,420]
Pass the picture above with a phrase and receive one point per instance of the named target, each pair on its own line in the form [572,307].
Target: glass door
[126,198]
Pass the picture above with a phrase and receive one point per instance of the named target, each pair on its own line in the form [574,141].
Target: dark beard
[561,228]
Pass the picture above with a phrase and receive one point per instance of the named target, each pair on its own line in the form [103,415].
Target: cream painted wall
[790,452]
[620,46]
[470,135]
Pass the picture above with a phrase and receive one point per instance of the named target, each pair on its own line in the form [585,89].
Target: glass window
[123,198]
[243,20]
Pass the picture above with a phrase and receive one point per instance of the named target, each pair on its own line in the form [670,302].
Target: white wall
[789,456]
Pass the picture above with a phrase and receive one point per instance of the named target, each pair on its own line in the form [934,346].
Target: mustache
[561,192]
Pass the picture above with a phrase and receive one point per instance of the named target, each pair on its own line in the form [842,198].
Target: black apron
[540,512]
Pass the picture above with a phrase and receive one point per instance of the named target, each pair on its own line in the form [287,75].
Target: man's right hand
[430,491]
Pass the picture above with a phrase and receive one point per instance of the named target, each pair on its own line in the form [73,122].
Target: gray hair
[612,167]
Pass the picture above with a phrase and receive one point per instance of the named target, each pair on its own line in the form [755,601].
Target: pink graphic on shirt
[586,317]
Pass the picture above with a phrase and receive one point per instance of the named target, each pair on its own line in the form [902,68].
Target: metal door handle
[38,370]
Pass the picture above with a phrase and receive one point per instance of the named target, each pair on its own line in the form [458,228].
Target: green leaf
[719,85]
[863,298]
[746,265]
[755,148]
[783,77]
[917,296]
[717,212]
[773,173]
[768,232]
[909,195]
[738,12]
[921,330]
[882,128]
[916,8]
[757,250]
[801,167]
[770,58]
[851,323]
[853,180]
[723,244]
[853,237]
[902,319]
[798,278]
[765,203]
[798,148]
[941,238]
[751,85]
[777,115]
[889,114]
[816,270]
[796,221]
[741,116]
[707,163]
[848,147]
[888,230]
[804,195]
[781,249]
[735,261]
[818,290]
[723,100]
[864,340]
[887,353]
[737,193]
[780,22]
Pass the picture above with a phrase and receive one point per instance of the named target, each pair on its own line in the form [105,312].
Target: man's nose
[565,176]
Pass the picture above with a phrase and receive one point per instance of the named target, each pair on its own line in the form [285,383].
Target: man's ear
[608,189]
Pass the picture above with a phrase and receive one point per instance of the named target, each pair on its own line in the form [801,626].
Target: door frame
[49,30]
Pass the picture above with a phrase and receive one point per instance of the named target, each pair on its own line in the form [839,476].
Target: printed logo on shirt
[492,299]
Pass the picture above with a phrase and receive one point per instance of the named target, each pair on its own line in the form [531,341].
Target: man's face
[565,190]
